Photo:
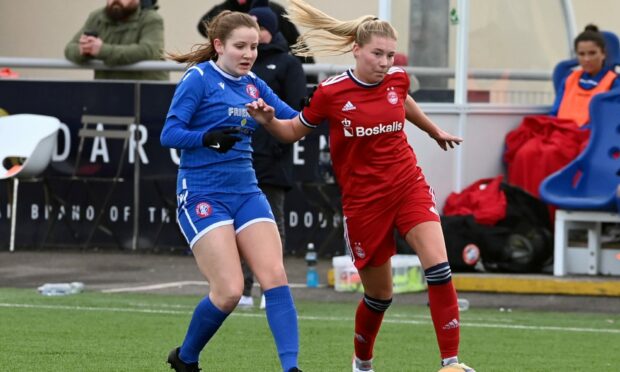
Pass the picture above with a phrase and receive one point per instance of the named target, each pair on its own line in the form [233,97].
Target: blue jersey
[208,99]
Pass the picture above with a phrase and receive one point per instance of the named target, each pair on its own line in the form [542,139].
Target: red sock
[444,310]
[368,318]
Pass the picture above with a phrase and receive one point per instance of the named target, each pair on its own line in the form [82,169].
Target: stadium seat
[586,191]
[26,146]
[612,46]
[590,181]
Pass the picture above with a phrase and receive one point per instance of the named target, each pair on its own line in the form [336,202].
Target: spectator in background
[121,33]
[273,160]
[288,29]
[542,144]
[593,77]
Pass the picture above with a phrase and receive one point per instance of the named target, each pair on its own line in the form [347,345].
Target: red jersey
[371,157]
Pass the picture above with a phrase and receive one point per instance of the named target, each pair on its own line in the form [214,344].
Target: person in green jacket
[121,33]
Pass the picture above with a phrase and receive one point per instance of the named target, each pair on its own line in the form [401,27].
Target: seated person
[542,145]
[593,77]
[121,33]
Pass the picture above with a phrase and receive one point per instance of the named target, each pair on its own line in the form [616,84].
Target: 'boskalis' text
[378,129]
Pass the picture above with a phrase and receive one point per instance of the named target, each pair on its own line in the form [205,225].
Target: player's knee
[274,276]
[377,305]
[227,297]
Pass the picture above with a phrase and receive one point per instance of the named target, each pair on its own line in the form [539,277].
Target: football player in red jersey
[382,186]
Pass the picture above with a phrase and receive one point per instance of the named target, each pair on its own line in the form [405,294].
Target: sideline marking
[154,287]
[305,317]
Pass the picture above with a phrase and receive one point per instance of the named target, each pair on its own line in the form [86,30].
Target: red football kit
[382,186]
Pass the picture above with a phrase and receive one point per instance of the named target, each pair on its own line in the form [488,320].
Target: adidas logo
[348,106]
[451,324]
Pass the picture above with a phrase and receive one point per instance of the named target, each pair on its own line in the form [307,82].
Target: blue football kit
[213,188]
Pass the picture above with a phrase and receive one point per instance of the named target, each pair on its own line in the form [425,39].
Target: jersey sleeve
[407,84]
[186,99]
[282,110]
[315,112]
[188,95]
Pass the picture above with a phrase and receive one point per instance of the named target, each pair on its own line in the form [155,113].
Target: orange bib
[575,103]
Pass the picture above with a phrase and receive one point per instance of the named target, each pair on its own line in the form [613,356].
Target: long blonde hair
[327,35]
[219,27]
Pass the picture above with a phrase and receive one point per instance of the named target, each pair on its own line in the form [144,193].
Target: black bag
[521,242]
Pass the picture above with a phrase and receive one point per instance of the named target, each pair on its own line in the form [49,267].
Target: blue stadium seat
[591,181]
[612,46]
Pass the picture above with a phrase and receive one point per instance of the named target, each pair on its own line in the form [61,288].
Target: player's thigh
[259,241]
[218,260]
[418,221]
[259,244]
[427,240]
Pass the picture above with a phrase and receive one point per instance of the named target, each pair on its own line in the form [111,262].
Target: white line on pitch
[305,317]
[154,287]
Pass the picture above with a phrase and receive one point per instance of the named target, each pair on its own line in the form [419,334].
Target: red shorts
[369,232]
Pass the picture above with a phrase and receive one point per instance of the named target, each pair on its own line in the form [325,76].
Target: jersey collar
[224,73]
[361,83]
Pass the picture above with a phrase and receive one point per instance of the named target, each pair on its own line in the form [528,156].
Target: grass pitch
[134,332]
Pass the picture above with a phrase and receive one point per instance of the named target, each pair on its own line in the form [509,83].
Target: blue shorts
[197,214]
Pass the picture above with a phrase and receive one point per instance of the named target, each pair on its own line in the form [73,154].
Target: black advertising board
[67,216]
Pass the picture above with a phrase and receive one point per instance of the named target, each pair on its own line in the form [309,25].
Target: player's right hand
[261,111]
[221,140]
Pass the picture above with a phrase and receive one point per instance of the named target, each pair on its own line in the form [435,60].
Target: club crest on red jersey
[252,91]
[358,250]
[392,97]
[203,209]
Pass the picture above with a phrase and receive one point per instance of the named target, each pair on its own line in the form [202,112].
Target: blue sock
[206,320]
[282,318]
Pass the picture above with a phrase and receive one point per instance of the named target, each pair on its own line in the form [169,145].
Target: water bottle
[60,289]
[312,276]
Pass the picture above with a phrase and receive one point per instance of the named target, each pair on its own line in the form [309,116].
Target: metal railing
[322,70]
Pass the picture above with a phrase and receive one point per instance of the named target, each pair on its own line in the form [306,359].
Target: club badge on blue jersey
[203,209]
[252,91]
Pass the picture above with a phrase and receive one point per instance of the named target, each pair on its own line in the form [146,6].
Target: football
[454,368]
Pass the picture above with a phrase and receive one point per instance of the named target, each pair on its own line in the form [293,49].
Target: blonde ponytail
[327,35]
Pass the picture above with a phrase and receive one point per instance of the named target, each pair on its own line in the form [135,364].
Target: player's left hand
[445,139]
[260,111]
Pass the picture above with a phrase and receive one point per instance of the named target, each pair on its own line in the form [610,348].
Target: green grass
[120,332]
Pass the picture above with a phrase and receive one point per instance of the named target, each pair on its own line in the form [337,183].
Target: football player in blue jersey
[221,211]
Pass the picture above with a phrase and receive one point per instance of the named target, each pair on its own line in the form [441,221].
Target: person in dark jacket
[286,27]
[273,160]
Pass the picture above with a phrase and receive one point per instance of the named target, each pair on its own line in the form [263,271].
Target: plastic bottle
[312,276]
[61,289]
[463,304]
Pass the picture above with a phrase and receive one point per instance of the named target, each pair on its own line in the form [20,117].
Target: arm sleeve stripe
[306,122]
